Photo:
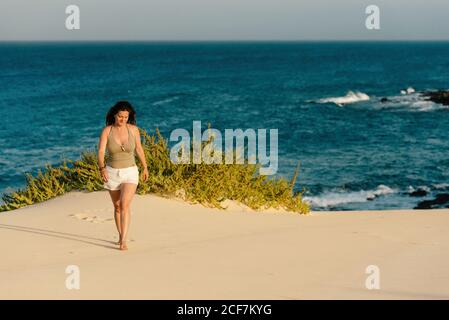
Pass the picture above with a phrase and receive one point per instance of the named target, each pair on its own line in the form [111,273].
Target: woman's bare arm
[102,146]
[139,149]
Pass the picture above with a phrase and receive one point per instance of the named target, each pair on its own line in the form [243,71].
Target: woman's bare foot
[123,246]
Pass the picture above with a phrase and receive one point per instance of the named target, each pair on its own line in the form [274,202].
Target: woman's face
[121,118]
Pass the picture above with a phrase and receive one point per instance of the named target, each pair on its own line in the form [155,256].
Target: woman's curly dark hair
[121,106]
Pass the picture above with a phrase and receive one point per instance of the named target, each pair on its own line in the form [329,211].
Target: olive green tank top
[121,156]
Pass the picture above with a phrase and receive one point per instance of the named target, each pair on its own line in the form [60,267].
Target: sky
[184,20]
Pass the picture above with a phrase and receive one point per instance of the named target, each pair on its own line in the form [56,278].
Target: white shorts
[117,176]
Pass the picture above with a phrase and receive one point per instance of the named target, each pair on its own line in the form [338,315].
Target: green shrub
[207,184]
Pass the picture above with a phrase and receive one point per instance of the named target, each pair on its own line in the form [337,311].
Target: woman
[121,137]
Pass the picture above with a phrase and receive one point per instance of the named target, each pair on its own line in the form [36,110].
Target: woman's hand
[145,174]
[104,174]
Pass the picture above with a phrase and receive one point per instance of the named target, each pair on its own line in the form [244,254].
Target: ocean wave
[423,190]
[340,197]
[165,101]
[439,186]
[412,189]
[409,90]
[408,98]
[412,101]
[350,97]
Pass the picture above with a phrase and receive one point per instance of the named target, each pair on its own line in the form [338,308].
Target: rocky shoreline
[440,201]
[440,96]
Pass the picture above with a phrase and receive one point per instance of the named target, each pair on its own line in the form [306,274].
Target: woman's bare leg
[115,197]
[127,193]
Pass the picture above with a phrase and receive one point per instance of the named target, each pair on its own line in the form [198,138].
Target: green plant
[208,184]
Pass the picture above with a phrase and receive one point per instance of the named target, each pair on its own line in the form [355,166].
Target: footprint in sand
[89,216]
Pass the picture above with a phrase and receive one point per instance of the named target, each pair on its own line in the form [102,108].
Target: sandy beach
[183,251]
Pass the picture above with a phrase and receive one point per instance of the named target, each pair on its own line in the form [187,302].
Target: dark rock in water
[383,100]
[427,204]
[418,193]
[440,96]
[440,200]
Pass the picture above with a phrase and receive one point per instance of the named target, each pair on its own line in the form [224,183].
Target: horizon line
[223,40]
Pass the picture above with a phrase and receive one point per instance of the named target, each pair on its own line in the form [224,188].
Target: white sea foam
[411,189]
[408,98]
[165,101]
[441,186]
[339,197]
[382,190]
[425,106]
[409,90]
[412,101]
[350,97]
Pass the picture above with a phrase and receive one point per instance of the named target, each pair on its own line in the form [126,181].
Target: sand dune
[183,251]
